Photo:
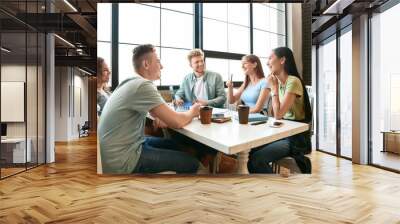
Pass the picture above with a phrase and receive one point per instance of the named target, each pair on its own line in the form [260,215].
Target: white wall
[71,102]
[33,127]
[61,103]
[80,102]
[16,73]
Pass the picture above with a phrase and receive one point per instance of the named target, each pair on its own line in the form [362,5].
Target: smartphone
[277,123]
[258,122]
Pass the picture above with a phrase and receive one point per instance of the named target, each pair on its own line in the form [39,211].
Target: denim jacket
[215,88]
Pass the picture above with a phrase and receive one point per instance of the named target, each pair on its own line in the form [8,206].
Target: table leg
[243,158]
[216,162]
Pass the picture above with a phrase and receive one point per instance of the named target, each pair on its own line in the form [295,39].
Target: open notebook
[252,117]
[186,106]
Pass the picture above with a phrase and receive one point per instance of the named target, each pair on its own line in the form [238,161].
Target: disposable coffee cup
[243,111]
[205,114]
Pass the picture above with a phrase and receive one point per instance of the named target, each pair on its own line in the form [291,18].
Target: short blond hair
[195,53]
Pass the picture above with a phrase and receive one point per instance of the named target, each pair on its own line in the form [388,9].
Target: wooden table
[234,138]
[391,141]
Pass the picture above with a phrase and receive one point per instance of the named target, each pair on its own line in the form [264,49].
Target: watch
[273,94]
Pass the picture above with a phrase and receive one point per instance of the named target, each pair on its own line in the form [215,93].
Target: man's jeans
[159,155]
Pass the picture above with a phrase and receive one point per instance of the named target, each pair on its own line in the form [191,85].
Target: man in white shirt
[201,86]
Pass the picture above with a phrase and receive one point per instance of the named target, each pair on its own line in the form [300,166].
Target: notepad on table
[185,107]
[253,117]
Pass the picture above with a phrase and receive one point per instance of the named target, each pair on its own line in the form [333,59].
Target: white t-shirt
[200,89]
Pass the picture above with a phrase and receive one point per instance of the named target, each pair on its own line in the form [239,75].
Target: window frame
[197,39]
[379,10]
[334,37]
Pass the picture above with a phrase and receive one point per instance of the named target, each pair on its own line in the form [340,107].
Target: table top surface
[13,140]
[391,132]
[232,137]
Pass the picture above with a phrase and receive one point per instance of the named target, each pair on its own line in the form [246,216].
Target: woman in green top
[289,101]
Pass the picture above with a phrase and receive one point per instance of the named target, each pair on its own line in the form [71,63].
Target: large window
[226,27]
[346,94]
[169,27]
[225,30]
[385,88]
[327,96]
[269,29]
[104,33]
[334,94]
[22,98]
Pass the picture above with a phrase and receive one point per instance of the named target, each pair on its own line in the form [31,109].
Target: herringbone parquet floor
[70,191]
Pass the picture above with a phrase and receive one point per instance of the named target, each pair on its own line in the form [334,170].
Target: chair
[84,130]
[288,162]
[167,95]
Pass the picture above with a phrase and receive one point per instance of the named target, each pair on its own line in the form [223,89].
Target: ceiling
[331,15]
[73,20]
[76,23]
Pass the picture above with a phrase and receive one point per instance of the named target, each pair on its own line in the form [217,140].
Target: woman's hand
[229,84]
[272,81]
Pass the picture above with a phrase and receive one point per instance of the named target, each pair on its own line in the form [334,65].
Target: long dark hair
[259,70]
[291,69]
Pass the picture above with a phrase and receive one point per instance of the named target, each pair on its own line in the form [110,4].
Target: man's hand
[201,102]
[195,109]
[157,123]
[178,102]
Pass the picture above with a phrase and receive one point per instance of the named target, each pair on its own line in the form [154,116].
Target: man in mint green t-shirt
[123,146]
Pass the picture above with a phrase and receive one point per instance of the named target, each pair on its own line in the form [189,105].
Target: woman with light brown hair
[103,92]
[254,91]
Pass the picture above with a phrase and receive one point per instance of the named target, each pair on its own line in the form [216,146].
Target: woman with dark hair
[289,101]
[103,76]
[255,90]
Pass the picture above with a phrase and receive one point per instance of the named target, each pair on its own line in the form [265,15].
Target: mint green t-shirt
[121,127]
[293,85]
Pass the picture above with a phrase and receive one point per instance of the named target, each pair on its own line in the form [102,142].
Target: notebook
[253,117]
[185,107]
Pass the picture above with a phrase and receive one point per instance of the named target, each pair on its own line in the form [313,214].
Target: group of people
[124,147]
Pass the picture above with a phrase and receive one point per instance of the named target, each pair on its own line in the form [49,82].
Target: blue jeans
[201,149]
[261,157]
[159,155]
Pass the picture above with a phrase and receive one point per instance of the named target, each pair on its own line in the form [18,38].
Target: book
[185,107]
[253,117]
[220,120]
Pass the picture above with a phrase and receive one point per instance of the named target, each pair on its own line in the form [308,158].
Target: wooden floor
[5,172]
[70,191]
[386,159]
